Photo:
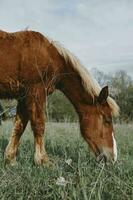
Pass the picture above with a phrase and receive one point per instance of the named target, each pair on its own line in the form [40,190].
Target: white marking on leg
[114,147]
[40,155]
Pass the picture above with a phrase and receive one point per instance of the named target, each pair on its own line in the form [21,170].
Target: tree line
[120,87]
[60,109]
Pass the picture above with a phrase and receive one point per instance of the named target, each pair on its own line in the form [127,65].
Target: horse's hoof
[41,160]
[12,162]
[50,164]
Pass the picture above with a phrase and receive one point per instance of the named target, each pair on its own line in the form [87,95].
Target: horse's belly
[9,88]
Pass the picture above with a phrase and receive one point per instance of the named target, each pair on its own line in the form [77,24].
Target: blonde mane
[89,83]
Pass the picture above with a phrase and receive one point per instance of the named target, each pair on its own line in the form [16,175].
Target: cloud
[98,32]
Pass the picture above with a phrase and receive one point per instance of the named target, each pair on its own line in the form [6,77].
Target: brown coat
[31,67]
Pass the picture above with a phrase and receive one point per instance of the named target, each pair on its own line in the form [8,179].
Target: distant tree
[59,108]
[120,85]
[121,89]
[123,93]
[102,78]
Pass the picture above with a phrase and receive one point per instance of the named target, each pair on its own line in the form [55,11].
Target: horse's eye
[108,120]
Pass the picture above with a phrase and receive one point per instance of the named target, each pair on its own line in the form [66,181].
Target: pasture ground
[83,179]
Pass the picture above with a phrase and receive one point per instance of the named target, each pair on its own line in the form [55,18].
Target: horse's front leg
[20,123]
[35,105]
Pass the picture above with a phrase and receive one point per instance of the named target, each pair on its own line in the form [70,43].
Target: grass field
[82,178]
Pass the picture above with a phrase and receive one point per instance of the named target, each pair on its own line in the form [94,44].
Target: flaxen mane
[89,83]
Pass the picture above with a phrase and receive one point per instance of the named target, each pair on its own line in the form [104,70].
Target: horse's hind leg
[20,123]
[35,104]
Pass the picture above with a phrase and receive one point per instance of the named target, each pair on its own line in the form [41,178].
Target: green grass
[85,179]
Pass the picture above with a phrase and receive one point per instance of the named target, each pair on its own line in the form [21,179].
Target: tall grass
[82,178]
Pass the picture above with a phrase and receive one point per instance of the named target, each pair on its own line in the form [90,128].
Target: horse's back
[21,51]
[26,57]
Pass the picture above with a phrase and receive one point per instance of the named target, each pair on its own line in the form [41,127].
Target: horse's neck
[71,86]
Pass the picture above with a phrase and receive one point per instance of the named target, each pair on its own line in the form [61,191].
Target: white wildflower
[69,161]
[61,181]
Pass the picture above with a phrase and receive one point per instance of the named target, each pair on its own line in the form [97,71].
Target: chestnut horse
[32,67]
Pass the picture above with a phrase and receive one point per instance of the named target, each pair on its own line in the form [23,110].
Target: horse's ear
[103,95]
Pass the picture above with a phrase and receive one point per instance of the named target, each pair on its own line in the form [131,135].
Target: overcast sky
[98,32]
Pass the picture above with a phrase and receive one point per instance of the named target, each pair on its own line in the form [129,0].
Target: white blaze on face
[110,153]
[114,148]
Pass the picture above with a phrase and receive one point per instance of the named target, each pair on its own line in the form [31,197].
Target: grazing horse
[32,67]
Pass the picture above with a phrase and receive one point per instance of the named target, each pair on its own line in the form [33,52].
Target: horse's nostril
[104,158]
[101,158]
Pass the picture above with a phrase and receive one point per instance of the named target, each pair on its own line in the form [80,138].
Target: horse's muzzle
[101,158]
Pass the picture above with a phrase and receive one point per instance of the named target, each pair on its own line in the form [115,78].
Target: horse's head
[97,128]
